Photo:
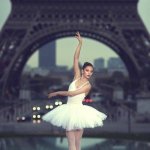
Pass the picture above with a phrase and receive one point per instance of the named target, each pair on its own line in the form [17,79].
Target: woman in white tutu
[74,116]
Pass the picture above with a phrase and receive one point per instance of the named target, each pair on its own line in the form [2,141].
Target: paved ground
[109,130]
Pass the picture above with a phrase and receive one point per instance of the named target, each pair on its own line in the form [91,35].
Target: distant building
[47,56]
[116,64]
[99,64]
[61,69]
[143,111]
[118,93]
[143,105]
[39,71]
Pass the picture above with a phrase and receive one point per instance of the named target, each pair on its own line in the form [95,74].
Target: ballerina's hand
[51,94]
[78,37]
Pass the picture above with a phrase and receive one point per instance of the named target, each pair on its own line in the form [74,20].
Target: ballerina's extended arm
[84,89]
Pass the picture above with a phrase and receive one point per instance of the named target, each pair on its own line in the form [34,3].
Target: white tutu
[75,116]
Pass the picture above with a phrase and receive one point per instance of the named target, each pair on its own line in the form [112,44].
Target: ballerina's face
[87,72]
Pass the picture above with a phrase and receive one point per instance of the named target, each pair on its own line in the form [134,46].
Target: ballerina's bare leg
[78,136]
[71,139]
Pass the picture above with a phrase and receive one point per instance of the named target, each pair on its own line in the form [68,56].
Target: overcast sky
[91,49]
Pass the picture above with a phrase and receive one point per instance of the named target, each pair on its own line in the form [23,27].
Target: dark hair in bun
[87,64]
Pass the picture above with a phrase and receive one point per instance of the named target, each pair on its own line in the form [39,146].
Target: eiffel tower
[33,23]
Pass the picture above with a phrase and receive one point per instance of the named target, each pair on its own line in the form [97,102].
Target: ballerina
[74,116]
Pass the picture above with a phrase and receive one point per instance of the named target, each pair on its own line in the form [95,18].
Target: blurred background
[31,69]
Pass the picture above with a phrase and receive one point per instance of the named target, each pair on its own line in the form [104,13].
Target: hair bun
[87,64]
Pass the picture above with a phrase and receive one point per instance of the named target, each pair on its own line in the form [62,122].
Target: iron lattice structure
[33,23]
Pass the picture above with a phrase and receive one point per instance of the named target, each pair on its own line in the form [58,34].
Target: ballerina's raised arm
[77,73]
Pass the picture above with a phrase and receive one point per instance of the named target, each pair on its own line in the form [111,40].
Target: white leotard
[77,99]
